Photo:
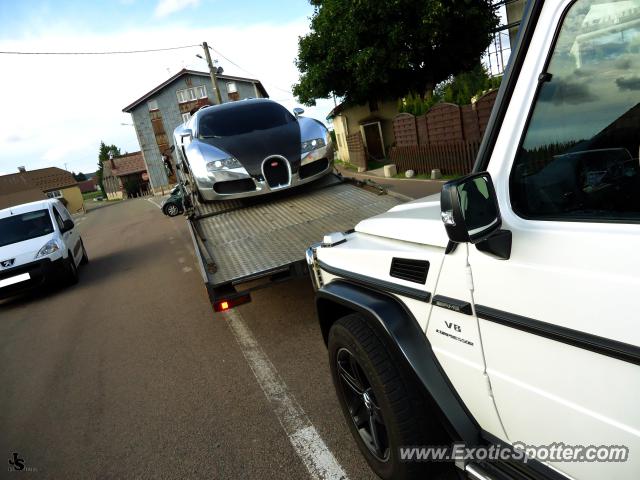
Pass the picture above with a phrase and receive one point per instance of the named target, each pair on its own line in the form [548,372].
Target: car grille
[313,168]
[276,172]
[234,186]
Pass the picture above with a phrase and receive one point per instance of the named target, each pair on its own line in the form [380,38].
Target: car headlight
[314,144]
[50,247]
[224,164]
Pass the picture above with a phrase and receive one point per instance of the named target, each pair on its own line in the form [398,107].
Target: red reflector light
[274,164]
[228,303]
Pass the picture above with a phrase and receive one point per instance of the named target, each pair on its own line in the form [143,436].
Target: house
[31,185]
[125,176]
[88,185]
[369,126]
[157,113]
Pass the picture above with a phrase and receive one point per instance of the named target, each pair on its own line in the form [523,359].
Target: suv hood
[24,252]
[417,222]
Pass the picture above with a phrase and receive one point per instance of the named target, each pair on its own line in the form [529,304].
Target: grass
[91,195]
[346,165]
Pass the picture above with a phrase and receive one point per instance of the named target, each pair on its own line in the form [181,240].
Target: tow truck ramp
[264,238]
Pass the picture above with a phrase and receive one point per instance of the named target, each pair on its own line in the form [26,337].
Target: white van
[38,242]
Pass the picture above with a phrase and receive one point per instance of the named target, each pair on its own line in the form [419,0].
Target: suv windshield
[19,228]
[242,119]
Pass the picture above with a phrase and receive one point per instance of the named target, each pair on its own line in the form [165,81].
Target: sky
[55,110]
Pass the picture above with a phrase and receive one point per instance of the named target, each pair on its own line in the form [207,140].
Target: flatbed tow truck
[244,245]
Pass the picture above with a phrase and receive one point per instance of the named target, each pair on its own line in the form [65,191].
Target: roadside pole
[212,72]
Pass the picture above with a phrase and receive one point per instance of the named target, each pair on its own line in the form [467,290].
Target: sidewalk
[407,187]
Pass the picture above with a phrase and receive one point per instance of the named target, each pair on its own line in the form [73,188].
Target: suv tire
[376,393]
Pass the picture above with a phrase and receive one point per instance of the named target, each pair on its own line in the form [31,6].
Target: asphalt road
[129,374]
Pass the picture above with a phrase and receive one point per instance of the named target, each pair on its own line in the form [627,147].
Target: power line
[122,52]
[247,71]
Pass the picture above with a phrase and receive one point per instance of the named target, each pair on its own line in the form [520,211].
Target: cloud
[167,7]
[566,92]
[81,102]
[630,83]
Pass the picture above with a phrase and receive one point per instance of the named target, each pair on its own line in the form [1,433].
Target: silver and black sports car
[251,147]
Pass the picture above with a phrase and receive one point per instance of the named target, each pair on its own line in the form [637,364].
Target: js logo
[17,462]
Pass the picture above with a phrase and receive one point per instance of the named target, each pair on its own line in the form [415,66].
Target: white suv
[38,242]
[503,313]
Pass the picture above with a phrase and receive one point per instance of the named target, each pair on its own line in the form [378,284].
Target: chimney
[22,169]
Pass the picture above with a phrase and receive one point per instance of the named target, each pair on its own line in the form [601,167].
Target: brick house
[158,112]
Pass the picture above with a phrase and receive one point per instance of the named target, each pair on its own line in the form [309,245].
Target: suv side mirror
[469,208]
[67,225]
[298,111]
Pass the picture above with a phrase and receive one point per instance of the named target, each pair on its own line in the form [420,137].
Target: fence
[446,137]
[357,152]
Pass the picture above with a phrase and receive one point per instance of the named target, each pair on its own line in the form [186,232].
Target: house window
[191,95]
[186,117]
[54,194]
[232,87]
[201,91]
[181,97]
[153,105]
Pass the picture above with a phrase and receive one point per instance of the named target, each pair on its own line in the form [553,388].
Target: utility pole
[212,72]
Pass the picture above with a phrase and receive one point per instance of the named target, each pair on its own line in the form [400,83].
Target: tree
[462,88]
[103,155]
[79,177]
[369,49]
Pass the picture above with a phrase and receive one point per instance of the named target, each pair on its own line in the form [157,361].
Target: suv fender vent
[410,269]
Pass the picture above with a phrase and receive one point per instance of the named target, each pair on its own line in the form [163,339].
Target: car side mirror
[186,132]
[469,208]
[298,111]
[67,225]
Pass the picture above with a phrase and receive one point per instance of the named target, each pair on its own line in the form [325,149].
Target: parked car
[173,205]
[251,147]
[505,317]
[39,243]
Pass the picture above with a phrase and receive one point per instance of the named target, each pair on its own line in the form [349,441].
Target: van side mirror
[298,111]
[67,225]
[469,208]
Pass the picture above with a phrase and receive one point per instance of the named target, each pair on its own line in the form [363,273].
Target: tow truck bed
[265,238]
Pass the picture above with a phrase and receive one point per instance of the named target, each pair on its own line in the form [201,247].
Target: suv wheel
[381,402]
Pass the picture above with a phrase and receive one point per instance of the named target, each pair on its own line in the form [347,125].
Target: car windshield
[242,119]
[19,228]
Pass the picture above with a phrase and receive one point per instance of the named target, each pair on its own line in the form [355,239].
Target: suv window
[579,156]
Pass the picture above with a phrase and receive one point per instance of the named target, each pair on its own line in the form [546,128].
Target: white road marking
[303,436]
[186,269]
[150,200]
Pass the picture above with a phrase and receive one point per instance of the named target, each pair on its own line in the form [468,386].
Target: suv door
[559,319]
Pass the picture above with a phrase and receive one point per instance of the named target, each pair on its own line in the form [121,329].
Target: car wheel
[85,257]
[171,210]
[381,402]
[72,271]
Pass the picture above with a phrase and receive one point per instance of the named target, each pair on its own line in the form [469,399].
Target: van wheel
[72,271]
[381,402]
[85,257]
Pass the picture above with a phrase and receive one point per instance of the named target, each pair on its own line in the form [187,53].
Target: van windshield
[26,226]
